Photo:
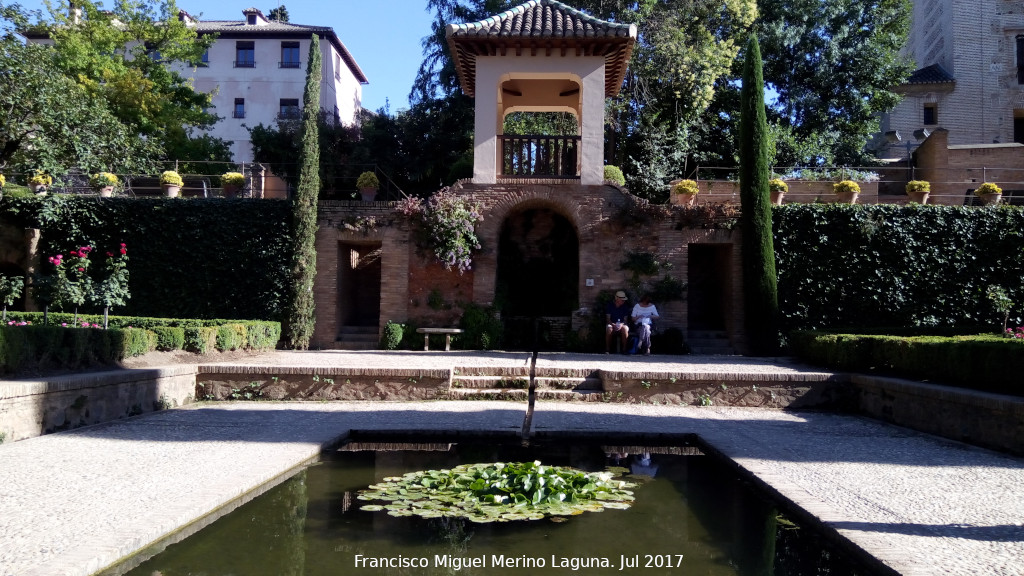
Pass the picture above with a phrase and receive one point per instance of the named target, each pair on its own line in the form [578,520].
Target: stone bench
[447,336]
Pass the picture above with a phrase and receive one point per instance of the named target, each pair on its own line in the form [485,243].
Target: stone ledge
[21,388]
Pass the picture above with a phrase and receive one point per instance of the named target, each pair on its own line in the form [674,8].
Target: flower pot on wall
[106,191]
[847,197]
[990,199]
[777,197]
[368,194]
[231,190]
[171,190]
[921,197]
[683,199]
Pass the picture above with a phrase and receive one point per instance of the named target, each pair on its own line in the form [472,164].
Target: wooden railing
[540,156]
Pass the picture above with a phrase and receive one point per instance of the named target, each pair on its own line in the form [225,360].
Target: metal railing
[537,156]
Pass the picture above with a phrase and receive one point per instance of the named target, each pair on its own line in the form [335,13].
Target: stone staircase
[357,338]
[493,383]
[710,342]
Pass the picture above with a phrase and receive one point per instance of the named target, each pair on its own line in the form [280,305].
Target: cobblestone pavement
[75,502]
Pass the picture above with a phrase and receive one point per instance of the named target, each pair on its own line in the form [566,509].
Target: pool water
[692,515]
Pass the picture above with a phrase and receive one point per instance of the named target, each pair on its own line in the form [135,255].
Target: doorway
[710,286]
[359,270]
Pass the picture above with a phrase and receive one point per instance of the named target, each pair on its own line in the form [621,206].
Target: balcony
[289,64]
[245,63]
[536,156]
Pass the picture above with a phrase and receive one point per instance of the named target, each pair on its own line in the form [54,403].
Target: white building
[969,80]
[256,72]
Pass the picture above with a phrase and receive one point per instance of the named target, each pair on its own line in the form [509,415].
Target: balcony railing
[540,156]
[245,63]
[289,64]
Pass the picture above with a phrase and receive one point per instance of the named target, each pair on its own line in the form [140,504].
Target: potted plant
[989,193]
[847,191]
[918,191]
[104,183]
[777,188]
[232,183]
[3,181]
[39,181]
[684,192]
[171,182]
[368,185]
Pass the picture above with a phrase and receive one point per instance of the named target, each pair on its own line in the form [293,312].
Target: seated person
[644,313]
[616,315]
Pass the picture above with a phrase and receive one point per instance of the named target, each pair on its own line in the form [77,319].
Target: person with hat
[616,316]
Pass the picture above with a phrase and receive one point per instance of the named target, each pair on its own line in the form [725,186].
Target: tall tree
[300,317]
[51,123]
[760,293]
[129,57]
[279,14]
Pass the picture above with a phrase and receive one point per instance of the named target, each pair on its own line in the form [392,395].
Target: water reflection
[691,516]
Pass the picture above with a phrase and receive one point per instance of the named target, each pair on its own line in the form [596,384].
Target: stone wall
[33,408]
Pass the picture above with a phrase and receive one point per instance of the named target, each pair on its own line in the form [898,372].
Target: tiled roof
[934,74]
[272,28]
[543,18]
[546,25]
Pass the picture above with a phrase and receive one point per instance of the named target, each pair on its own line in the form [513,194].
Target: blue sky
[384,36]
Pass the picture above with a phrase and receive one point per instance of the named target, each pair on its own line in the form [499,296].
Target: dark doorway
[359,285]
[710,285]
[537,277]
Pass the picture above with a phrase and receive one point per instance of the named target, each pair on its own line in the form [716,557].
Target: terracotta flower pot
[777,197]
[231,190]
[990,199]
[106,191]
[920,197]
[39,189]
[171,190]
[848,197]
[683,199]
[368,194]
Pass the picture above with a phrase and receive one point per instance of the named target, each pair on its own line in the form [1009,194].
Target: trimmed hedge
[200,339]
[43,347]
[983,362]
[169,338]
[849,268]
[231,337]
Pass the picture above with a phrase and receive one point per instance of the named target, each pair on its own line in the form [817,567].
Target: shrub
[919,186]
[988,188]
[200,339]
[263,335]
[171,178]
[169,338]
[368,180]
[39,177]
[688,187]
[614,174]
[232,179]
[846,187]
[131,342]
[481,328]
[231,337]
[778,185]
[392,338]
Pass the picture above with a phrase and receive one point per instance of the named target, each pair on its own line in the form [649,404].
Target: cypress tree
[300,320]
[760,293]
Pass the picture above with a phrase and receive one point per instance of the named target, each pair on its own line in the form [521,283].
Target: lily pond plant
[499,492]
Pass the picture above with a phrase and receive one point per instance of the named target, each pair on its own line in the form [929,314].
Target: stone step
[354,345]
[709,334]
[572,395]
[491,382]
[493,371]
[358,330]
[487,394]
[563,383]
[713,350]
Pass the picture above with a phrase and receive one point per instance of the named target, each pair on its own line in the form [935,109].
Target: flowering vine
[449,227]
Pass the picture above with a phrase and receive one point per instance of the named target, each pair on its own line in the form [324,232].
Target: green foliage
[171,178]
[201,339]
[299,319]
[169,337]
[232,179]
[367,180]
[848,267]
[278,14]
[392,338]
[481,328]
[11,288]
[35,347]
[231,337]
[242,245]
[498,492]
[760,292]
[103,180]
[1001,301]
[614,174]
[980,362]
[447,226]
[263,335]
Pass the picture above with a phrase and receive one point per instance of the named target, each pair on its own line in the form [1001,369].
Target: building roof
[934,74]
[275,29]
[546,25]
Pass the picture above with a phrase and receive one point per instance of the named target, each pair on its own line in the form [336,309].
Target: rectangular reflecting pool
[692,515]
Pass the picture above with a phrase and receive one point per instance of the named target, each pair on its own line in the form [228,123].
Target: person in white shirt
[644,313]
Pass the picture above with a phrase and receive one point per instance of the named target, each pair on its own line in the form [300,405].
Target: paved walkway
[75,502]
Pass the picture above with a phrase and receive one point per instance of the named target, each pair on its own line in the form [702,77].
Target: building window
[245,55]
[337,66]
[250,19]
[205,60]
[1020,59]
[239,111]
[289,54]
[931,114]
[289,108]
